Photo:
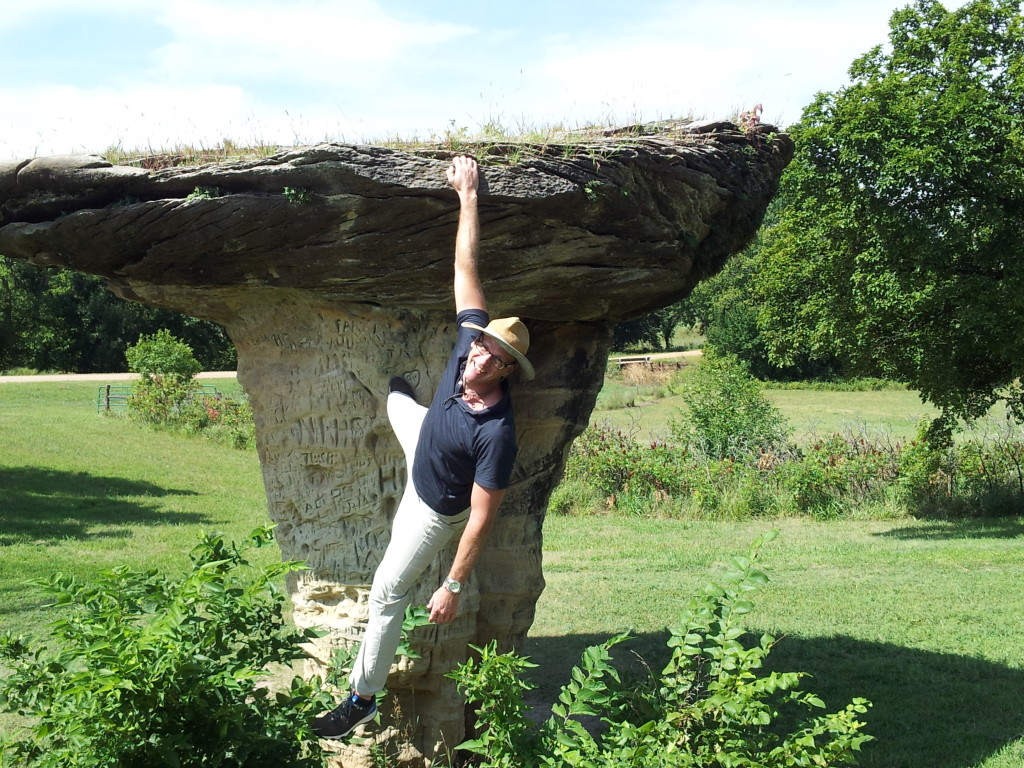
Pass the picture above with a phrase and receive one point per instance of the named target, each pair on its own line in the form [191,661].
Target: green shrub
[711,706]
[853,474]
[750,492]
[223,419]
[183,407]
[983,476]
[573,497]
[837,473]
[857,384]
[23,371]
[159,400]
[144,670]
[728,415]
[161,354]
[168,396]
[612,461]
[167,367]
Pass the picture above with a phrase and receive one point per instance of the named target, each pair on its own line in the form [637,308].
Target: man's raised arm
[469,293]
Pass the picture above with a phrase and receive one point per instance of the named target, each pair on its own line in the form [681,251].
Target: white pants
[418,533]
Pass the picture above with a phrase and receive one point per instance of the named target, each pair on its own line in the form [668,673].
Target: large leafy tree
[902,246]
[725,308]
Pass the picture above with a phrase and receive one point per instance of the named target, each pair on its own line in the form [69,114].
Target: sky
[84,76]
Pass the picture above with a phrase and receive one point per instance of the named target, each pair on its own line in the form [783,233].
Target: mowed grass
[80,492]
[651,404]
[924,618]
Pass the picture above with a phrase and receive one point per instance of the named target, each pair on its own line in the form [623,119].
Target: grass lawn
[896,412]
[80,492]
[924,618]
[645,405]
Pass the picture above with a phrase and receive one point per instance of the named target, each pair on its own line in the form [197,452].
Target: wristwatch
[452,585]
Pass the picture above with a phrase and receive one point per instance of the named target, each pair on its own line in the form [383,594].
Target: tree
[902,245]
[727,414]
[55,319]
[162,355]
[725,309]
[655,330]
[638,333]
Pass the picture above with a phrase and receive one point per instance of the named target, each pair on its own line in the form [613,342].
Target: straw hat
[513,337]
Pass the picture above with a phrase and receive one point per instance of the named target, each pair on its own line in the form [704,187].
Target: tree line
[57,320]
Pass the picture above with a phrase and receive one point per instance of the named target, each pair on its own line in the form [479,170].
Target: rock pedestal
[331,269]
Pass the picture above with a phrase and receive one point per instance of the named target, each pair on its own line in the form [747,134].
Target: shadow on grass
[44,505]
[962,528]
[929,710]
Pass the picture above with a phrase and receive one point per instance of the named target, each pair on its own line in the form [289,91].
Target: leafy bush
[224,419]
[980,476]
[654,476]
[183,407]
[161,354]
[855,384]
[168,396]
[728,415]
[621,472]
[159,401]
[612,461]
[167,368]
[855,473]
[145,670]
[575,497]
[711,705]
[839,471]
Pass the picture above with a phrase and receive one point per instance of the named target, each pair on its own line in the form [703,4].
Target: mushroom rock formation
[331,267]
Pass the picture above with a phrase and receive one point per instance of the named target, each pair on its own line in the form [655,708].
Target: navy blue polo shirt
[459,446]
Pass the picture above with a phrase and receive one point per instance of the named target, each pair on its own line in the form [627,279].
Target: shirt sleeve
[497,456]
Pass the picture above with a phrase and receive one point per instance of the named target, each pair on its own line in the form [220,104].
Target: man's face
[487,362]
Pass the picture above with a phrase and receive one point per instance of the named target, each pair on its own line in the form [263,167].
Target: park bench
[635,360]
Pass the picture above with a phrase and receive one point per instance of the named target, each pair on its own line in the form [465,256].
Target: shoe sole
[355,725]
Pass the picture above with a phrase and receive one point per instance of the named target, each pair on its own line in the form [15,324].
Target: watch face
[453,586]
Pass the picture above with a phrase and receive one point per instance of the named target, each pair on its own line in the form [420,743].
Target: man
[459,454]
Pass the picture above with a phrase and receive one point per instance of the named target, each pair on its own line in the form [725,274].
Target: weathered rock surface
[331,267]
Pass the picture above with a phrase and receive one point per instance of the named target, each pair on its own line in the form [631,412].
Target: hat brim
[525,366]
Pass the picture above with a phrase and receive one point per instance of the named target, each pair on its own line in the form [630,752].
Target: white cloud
[309,41]
[307,70]
[16,14]
[62,119]
[695,58]
[233,71]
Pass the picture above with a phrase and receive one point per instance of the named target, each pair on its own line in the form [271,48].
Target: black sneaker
[398,384]
[343,719]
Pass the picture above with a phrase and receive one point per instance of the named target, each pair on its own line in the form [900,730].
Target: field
[922,617]
[645,401]
[80,492]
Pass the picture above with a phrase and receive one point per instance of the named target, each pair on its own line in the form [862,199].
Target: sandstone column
[334,474]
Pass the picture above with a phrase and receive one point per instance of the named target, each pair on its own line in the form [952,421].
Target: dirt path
[231,374]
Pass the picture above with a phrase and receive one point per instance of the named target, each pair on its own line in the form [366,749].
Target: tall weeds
[855,474]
